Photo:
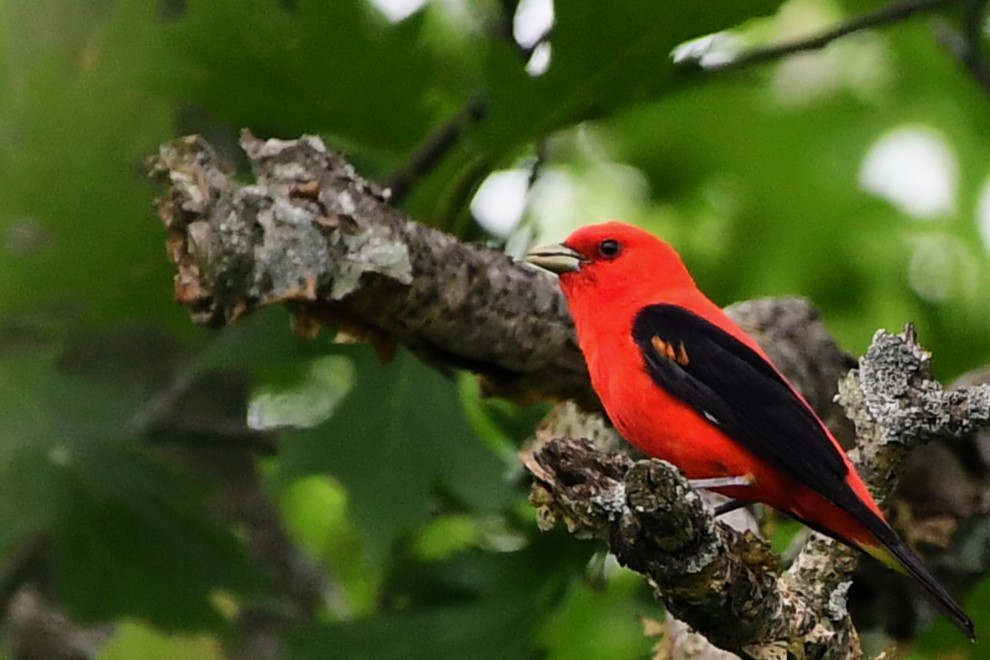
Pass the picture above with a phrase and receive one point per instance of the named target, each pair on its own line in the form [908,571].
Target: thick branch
[716,579]
[313,234]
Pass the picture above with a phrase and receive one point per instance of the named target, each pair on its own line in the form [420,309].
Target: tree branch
[709,575]
[315,236]
[436,145]
[312,234]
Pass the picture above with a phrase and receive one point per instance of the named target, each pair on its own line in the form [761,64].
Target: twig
[36,627]
[439,143]
[538,162]
[443,140]
[433,149]
[892,13]
[967,45]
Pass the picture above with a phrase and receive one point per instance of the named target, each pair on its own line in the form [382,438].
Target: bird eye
[609,248]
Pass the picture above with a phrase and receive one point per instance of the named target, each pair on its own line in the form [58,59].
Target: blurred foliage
[400,485]
[424,453]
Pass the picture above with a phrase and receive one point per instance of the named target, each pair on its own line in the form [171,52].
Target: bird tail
[897,555]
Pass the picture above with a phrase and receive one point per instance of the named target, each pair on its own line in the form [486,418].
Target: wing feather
[737,390]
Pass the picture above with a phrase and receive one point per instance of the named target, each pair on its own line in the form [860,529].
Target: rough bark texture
[312,234]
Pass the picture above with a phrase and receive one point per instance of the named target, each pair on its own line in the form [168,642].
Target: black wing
[742,394]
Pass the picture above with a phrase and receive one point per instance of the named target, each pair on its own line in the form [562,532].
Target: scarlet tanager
[681,381]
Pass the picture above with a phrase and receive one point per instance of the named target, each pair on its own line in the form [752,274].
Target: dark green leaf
[494,630]
[605,56]
[478,605]
[309,67]
[129,537]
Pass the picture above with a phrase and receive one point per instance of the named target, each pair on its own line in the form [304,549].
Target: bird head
[612,258]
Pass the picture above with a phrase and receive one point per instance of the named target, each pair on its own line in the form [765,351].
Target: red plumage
[683,382]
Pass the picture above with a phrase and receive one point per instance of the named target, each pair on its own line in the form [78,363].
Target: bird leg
[721,482]
[724,482]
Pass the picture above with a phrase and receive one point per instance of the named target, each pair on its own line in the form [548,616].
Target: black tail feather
[910,563]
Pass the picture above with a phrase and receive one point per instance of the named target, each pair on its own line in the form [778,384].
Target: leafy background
[125,447]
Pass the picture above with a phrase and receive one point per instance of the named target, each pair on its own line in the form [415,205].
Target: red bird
[684,383]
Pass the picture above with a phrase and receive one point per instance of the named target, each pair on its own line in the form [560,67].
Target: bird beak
[555,258]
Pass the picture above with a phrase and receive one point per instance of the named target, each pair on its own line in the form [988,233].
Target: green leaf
[314,513]
[752,218]
[485,630]
[74,202]
[133,640]
[602,621]
[605,56]
[129,537]
[310,66]
[397,441]
[478,605]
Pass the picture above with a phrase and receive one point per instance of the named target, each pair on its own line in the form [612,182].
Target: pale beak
[555,258]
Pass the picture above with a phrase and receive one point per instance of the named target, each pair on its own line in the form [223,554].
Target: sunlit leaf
[133,640]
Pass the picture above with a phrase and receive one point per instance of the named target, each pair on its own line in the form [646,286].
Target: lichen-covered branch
[716,579]
[313,234]
[719,581]
[896,406]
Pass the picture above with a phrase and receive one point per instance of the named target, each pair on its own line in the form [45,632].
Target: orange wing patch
[666,349]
